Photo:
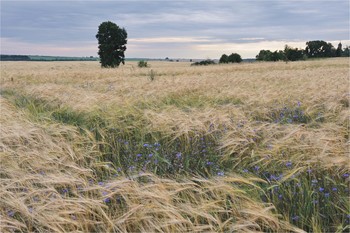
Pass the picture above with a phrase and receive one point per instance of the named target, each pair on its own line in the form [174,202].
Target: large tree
[319,48]
[234,58]
[111,44]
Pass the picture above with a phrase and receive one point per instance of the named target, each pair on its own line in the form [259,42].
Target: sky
[169,28]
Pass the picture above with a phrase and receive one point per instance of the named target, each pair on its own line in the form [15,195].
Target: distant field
[175,148]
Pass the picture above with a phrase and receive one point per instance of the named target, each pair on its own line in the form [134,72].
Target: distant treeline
[44,58]
[14,58]
[314,49]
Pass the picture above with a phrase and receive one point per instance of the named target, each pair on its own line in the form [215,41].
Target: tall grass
[248,147]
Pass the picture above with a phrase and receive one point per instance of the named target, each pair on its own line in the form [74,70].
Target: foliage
[203,63]
[142,64]
[267,55]
[112,40]
[293,54]
[319,48]
[223,58]
[14,58]
[233,58]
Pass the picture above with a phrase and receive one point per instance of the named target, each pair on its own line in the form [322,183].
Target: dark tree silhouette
[112,40]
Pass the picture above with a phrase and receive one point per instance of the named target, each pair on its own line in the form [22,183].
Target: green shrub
[142,63]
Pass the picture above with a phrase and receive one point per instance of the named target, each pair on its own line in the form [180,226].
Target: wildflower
[334,189]
[346,175]
[157,144]
[138,155]
[321,189]
[309,170]
[64,191]
[150,155]
[107,200]
[245,170]
[126,143]
[209,163]
[299,103]
[100,183]
[280,196]
[156,161]
[104,193]
[295,218]
[326,194]
[146,145]
[256,168]
[221,173]
[178,155]
[30,209]
[289,164]
[11,213]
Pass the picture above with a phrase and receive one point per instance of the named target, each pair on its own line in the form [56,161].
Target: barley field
[251,147]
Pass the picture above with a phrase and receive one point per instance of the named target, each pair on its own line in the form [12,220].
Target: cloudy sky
[170,28]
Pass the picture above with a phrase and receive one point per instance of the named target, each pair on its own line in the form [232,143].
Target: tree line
[313,49]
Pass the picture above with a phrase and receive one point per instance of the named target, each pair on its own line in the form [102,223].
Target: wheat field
[251,147]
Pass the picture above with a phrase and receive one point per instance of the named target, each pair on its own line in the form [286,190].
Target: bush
[142,63]
[203,63]
[233,58]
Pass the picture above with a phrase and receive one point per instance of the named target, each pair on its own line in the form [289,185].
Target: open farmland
[175,148]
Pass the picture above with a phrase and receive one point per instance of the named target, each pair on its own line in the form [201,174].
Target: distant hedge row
[14,58]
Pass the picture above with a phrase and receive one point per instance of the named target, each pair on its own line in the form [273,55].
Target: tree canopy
[319,48]
[233,58]
[112,40]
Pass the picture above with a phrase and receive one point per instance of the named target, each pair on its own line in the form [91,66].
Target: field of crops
[175,148]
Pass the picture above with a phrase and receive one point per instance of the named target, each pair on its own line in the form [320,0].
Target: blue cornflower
[64,190]
[146,145]
[256,168]
[209,163]
[295,218]
[100,183]
[221,173]
[178,155]
[326,194]
[104,193]
[150,155]
[245,170]
[138,155]
[11,213]
[280,196]
[346,175]
[299,103]
[321,189]
[334,189]
[107,200]
[157,144]
[289,164]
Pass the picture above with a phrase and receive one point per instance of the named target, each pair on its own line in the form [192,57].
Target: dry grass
[58,176]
